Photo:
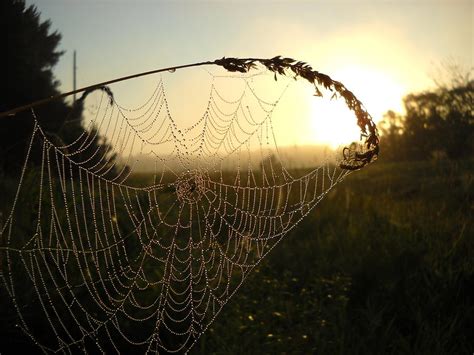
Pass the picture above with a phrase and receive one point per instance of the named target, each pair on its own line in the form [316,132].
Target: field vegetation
[384,265]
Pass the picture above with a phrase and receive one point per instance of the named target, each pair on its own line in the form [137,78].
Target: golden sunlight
[334,124]
[378,89]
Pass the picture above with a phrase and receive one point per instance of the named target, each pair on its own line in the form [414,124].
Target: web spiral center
[190,186]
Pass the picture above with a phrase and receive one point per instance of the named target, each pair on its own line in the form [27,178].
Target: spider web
[113,263]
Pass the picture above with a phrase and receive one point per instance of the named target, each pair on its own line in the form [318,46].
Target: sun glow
[334,124]
[377,89]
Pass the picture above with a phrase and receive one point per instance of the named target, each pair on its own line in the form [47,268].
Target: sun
[334,124]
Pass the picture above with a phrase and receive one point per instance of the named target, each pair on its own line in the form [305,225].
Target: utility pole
[74,69]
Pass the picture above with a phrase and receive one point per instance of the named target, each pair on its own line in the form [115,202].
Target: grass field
[384,265]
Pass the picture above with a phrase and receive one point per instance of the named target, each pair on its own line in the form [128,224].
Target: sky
[381,50]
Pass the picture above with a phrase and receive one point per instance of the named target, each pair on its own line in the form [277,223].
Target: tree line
[437,124]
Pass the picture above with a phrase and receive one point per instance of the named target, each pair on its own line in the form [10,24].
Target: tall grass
[384,265]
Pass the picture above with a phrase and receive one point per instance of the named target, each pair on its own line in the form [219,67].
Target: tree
[29,53]
[392,139]
[440,121]
[436,123]
[28,56]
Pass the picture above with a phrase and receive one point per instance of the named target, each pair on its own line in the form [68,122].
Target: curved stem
[95,86]
[277,65]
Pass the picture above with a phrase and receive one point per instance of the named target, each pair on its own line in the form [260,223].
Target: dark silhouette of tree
[28,56]
[437,123]
[392,137]
[29,53]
